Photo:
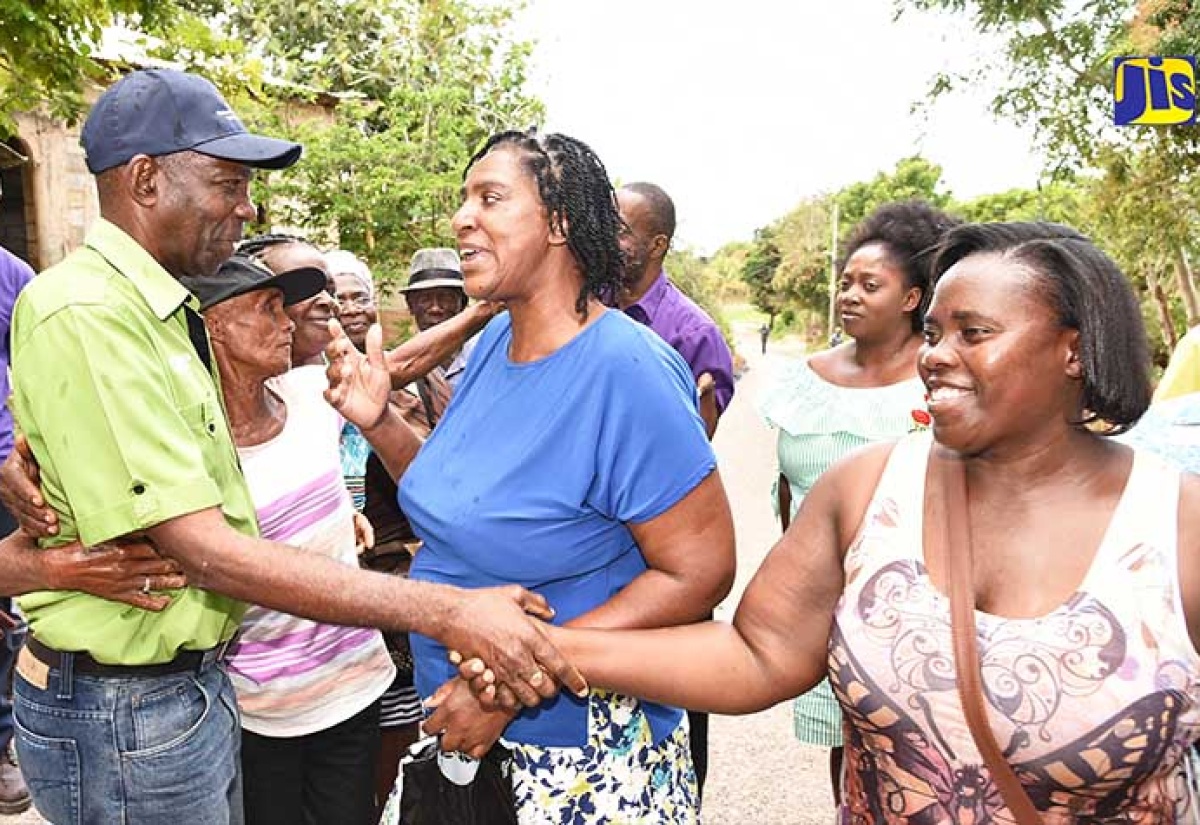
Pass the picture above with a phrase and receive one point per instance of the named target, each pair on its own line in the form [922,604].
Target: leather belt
[84,664]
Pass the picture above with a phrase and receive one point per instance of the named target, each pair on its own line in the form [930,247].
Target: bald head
[659,207]
[649,218]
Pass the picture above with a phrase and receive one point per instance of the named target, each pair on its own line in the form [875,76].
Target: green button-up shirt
[129,430]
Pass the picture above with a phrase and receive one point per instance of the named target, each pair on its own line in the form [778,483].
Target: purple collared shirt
[14,274]
[690,331]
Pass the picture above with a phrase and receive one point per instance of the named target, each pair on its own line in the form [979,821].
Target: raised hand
[358,384]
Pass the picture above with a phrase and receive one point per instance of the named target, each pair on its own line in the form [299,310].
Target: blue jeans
[10,643]
[160,750]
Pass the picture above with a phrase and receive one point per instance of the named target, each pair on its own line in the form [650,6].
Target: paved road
[758,773]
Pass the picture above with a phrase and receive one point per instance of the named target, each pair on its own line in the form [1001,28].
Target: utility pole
[833,274]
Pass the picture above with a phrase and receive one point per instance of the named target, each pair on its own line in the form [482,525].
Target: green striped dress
[818,423]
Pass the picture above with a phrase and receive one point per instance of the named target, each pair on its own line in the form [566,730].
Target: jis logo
[1154,91]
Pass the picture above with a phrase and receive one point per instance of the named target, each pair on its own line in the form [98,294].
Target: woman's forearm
[418,355]
[707,667]
[658,599]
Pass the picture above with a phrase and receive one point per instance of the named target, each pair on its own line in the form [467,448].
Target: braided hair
[574,187]
[258,246]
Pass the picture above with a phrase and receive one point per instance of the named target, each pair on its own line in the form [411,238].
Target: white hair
[342,262]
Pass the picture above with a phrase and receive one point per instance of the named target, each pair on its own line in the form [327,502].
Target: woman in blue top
[571,460]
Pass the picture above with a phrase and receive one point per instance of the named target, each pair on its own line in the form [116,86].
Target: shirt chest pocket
[201,418]
[195,395]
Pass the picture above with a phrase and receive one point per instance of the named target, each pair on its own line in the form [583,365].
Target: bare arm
[706,388]
[394,441]
[126,571]
[690,553]
[777,645]
[1189,553]
[491,622]
[129,573]
[418,355]
[281,577]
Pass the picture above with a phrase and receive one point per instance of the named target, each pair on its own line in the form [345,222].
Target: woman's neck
[881,352]
[256,414]
[545,321]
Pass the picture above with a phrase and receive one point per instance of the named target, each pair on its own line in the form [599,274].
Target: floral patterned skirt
[619,777]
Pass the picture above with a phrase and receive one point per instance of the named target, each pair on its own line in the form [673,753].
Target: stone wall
[59,193]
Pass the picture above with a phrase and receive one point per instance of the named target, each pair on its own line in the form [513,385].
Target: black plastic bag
[428,797]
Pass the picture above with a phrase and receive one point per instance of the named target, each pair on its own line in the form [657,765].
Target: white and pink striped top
[293,676]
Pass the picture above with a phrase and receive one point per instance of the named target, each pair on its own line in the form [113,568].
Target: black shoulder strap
[426,402]
[198,336]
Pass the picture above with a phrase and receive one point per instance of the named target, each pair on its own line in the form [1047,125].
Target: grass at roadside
[744,314]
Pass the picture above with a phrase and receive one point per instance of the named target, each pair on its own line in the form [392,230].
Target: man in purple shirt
[650,298]
[14,796]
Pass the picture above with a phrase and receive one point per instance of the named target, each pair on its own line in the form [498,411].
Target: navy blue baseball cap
[162,111]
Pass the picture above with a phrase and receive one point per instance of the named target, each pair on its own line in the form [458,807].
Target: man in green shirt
[126,715]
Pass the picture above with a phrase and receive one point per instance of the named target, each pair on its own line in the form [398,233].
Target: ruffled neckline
[801,402]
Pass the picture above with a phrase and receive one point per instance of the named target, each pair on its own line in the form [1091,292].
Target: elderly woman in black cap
[308,692]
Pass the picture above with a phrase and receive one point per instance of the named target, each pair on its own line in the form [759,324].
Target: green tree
[1059,202]
[758,271]
[725,269]
[914,178]
[421,84]
[1058,79]
[1057,67]
[803,237]
[46,49]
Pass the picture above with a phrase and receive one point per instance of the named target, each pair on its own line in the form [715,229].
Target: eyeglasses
[354,301]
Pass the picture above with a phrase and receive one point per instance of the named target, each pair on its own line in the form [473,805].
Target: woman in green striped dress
[860,391]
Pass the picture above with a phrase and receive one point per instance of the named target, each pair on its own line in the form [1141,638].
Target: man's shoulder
[686,314]
[13,270]
[82,278]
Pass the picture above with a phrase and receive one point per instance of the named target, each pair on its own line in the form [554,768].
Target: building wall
[60,195]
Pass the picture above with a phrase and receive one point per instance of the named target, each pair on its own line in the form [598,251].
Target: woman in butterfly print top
[1086,568]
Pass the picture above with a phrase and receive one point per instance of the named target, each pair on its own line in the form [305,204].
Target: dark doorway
[14,226]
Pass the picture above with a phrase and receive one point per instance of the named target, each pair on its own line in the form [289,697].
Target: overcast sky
[739,108]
